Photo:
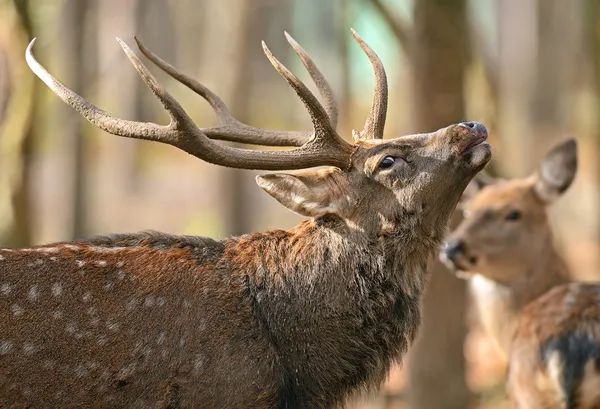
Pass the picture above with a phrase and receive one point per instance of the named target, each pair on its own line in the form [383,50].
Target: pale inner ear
[309,193]
[556,172]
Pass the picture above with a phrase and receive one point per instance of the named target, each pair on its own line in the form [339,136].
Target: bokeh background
[529,70]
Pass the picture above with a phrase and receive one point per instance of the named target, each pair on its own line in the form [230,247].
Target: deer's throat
[500,304]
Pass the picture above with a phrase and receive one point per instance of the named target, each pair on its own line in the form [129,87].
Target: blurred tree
[247,23]
[18,103]
[234,89]
[72,53]
[592,26]
[557,67]
[118,167]
[437,48]
[439,57]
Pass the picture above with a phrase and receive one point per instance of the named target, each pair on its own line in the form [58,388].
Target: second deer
[547,327]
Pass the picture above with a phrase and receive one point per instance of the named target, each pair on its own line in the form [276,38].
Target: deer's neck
[336,301]
[499,304]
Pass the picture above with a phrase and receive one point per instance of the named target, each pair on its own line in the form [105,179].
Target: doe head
[505,227]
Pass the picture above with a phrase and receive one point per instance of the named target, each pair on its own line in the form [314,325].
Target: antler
[375,123]
[322,147]
[318,78]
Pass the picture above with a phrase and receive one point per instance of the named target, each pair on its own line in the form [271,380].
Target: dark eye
[514,215]
[387,162]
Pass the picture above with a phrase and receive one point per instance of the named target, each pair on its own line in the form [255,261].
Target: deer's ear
[309,193]
[480,181]
[556,172]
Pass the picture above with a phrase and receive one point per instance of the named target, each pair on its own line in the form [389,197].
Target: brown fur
[549,330]
[282,319]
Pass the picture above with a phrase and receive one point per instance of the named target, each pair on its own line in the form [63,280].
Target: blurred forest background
[529,70]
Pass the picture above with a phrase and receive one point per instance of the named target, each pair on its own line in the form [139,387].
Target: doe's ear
[556,172]
[309,193]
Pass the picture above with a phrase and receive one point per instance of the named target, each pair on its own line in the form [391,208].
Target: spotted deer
[301,318]
[547,327]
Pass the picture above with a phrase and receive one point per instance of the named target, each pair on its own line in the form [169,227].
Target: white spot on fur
[160,301]
[80,371]
[37,262]
[72,247]
[49,364]
[161,338]
[120,275]
[57,289]
[16,309]
[34,293]
[198,363]
[148,301]
[53,258]
[101,263]
[80,263]
[131,304]
[108,286]
[29,348]
[106,249]
[1,257]
[120,264]
[48,249]
[71,328]
[57,315]
[102,340]
[86,297]
[112,325]
[127,371]
[5,347]
[5,288]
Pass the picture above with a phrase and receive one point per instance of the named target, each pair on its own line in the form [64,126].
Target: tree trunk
[593,38]
[247,24]
[72,53]
[437,363]
[516,61]
[18,91]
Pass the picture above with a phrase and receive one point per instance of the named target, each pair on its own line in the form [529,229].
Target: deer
[543,323]
[298,318]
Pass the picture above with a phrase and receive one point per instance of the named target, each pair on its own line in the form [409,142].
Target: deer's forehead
[380,146]
[501,195]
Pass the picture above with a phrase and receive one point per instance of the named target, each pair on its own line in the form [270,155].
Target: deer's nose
[454,248]
[476,127]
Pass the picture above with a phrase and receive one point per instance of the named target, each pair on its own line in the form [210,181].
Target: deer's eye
[514,215]
[387,162]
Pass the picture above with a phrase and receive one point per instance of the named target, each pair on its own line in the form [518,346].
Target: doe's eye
[514,215]
[387,162]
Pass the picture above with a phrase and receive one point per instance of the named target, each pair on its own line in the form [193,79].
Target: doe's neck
[500,304]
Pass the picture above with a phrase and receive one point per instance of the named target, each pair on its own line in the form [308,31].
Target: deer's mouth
[477,141]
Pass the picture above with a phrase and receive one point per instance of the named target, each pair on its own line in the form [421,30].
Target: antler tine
[229,128]
[95,115]
[375,123]
[324,131]
[318,78]
[184,134]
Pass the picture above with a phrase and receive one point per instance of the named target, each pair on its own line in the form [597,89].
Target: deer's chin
[478,155]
